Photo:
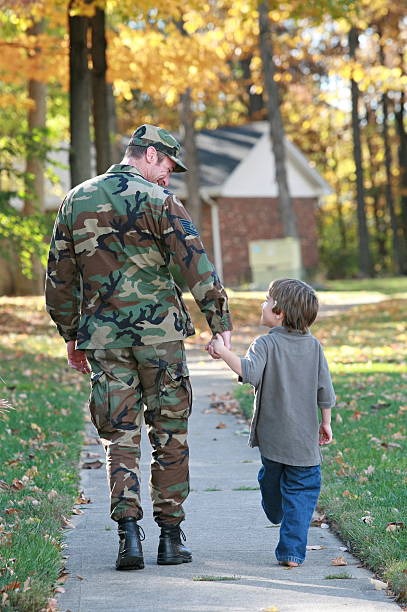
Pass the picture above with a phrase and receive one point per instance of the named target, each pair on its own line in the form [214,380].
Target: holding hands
[218,343]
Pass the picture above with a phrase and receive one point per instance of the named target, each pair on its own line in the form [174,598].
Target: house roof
[222,151]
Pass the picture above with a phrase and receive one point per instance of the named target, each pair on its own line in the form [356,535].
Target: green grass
[214,578]
[40,444]
[364,470]
[340,576]
[389,286]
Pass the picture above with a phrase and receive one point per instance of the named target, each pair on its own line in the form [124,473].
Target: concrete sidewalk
[226,529]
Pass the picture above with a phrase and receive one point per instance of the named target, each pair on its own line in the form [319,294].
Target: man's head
[155,152]
[295,302]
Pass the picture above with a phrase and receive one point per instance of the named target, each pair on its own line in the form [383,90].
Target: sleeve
[254,362]
[326,394]
[183,244]
[63,284]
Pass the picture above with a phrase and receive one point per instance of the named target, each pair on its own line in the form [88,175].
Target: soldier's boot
[171,551]
[130,555]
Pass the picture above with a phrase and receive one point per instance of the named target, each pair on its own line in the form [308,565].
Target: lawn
[364,469]
[40,444]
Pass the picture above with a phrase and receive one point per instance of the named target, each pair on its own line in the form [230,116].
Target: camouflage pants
[122,381]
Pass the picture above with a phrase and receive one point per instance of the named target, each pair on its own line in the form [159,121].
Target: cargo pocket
[99,400]
[175,392]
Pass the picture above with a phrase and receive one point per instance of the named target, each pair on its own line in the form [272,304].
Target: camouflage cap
[146,135]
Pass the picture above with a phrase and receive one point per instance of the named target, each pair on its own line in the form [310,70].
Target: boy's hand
[215,345]
[325,434]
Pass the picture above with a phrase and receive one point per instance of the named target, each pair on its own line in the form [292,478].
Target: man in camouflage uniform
[111,294]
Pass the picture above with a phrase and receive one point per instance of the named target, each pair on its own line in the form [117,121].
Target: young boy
[290,374]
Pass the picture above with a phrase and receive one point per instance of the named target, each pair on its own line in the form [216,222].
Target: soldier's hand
[76,358]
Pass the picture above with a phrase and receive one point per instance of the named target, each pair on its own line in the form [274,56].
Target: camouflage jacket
[108,282]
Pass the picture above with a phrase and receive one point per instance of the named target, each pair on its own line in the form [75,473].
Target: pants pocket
[175,392]
[99,400]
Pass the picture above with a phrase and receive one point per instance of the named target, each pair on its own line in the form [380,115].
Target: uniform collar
[124,168]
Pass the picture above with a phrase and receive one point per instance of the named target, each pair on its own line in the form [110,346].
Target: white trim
[217,245]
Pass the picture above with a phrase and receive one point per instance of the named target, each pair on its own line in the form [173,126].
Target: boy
[290,374]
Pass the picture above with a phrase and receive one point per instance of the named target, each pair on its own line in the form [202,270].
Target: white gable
[255,175]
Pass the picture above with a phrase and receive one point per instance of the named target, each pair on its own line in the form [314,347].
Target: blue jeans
[289,495]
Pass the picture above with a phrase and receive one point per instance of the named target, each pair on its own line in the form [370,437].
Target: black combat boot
[130,555]
[171,550]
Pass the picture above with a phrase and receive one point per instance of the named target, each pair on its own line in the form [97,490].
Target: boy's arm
[325,431]
[218,347]
[326,393]
[249,368]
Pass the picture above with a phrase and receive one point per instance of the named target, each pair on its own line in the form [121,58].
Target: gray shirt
[290,374]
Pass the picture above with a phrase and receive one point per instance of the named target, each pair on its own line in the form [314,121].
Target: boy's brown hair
[298,302]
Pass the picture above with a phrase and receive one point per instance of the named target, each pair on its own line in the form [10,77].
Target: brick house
[239,196]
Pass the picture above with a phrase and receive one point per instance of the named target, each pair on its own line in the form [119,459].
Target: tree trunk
[100,93]
[397,255]
[380,226]
[194,203]
[34,201]
[402,155]
[254,101]
[79,90]
[365,259]
[115,144]
[276,124]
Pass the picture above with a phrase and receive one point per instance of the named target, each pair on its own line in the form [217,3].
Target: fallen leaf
[79,577]
[347,493]
[26,585]
[11,586]
[367,519]
[369,470]
[52,494]
[396,526]
[339,561]
[315,547]
[59,589]
[343,548]
[91,441]
[221,426]
[52,605]
[378,584]
[4,485]
[17,484]
[324,526]
[92,465]
[81,499]
[77,511]
[380,405]
[66,524]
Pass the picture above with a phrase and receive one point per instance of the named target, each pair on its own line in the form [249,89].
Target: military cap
[151,135]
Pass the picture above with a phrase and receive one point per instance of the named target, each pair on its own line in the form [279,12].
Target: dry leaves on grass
[395,526]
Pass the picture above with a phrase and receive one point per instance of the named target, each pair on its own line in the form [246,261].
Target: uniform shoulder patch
[189,227]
